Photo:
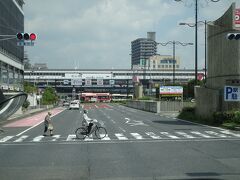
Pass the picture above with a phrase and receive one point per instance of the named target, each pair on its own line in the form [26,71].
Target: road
[139,146]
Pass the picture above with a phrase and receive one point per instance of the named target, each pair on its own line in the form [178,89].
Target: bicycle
[100,132]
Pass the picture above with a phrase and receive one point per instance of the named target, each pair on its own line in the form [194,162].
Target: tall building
[11,55]
[142,50]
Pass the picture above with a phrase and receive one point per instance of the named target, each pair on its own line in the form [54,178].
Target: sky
[97,34]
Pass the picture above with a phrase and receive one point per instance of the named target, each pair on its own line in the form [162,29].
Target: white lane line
[55,137]
[106,138]
[184,134]
[136,135]
[37,139]
[216,134]
[230,133]
[201,134]
[169,135]
[121,136]
[89,138]
[153,135]
[71,137]
[6,139]
[113,121]
[37,124]
[21,138]
[122,129]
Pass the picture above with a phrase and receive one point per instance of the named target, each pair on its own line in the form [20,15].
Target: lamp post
[205,41]
[174,43]
[196,38]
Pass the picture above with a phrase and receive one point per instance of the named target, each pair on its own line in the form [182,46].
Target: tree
[49,96]
[29,88]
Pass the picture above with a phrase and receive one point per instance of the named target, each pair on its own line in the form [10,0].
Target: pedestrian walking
[48,124]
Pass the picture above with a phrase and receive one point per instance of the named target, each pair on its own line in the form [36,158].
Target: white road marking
[113,121]
[106,138]
[216,134]
[71,137]
[201,134]
[169,135]
[153,135]
[230,133]
[122,129]
[21,138]
[89,138]
[184,134]
[55,137]
[134,122]
[121,136]
[136,135]
[6,139]
[38,138]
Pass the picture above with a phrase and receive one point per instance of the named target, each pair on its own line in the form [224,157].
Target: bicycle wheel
[81,133]
[100,132]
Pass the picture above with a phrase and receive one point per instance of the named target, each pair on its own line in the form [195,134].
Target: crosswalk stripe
[6,139]
[200,134]
[216,134]
[169,135]
[21,138]
[89,138]
[230,133]
[106,138]
[153,135]
[55,137]
[71,137]
[121,136]
[184,134]
[38,138]
[136,135]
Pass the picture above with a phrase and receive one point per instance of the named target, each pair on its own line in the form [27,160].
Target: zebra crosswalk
[176,135]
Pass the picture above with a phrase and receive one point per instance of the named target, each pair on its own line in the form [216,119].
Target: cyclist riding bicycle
[87,121]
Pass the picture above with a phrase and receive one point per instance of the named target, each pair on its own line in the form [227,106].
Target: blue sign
[232,93]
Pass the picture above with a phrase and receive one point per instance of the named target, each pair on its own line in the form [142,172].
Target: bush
[25,104]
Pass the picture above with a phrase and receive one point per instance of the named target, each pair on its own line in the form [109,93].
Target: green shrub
[25,104]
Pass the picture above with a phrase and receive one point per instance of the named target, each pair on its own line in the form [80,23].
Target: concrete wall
[151,106]
[223,66]
[159,106]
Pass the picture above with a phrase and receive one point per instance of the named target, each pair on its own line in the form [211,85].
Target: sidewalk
[19,115]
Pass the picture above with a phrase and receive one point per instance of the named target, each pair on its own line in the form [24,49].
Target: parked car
[66,103]
[74,105]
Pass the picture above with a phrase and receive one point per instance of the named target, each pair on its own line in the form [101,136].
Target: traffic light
[26,36]
[231,36]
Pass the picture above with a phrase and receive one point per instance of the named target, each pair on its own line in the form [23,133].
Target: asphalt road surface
[139,146]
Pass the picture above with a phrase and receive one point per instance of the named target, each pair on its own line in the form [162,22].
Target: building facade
[105,80]
[162,62]
[11,55]
[142,49]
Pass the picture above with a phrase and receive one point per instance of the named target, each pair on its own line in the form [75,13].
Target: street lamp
[205,40]
[196,39]
[174,43]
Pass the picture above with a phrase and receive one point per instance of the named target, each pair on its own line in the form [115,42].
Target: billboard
[100,82]
[171,90]
[76,82]
[88,82]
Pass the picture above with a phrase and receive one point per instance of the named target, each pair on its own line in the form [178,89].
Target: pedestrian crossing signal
[232,36]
